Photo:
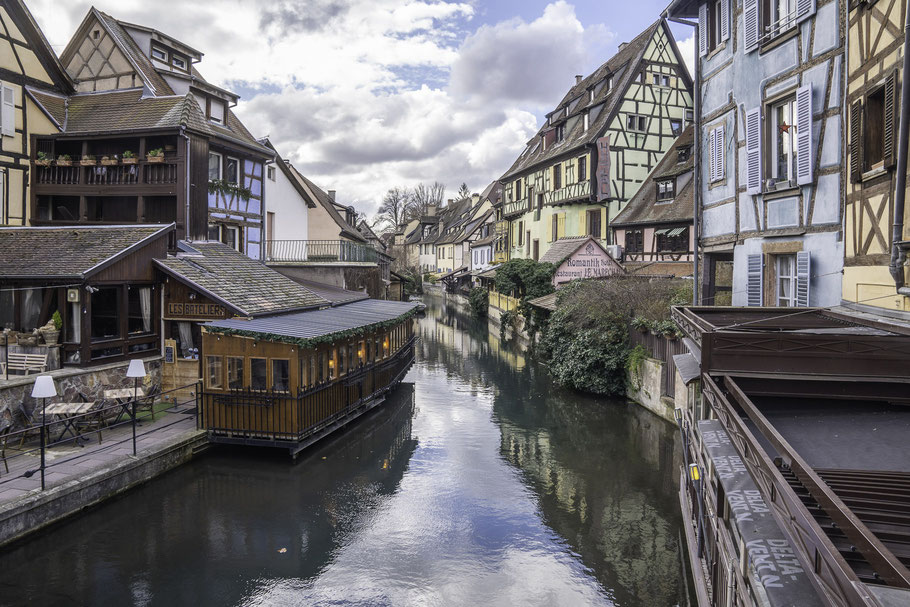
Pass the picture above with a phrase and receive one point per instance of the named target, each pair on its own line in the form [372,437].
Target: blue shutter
[724,20]
[703,29]
[804,135]
[803,278]
[750,25]
[753,151]
[754,280]
[804,9]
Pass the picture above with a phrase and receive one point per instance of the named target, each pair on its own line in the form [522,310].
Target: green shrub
[479,299]
[637,356]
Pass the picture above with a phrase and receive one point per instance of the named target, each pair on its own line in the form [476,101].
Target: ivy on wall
[229,190]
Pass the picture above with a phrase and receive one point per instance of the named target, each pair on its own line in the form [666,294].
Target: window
[216,110]
[281,381]
[666,189]
[683,154]
[780,18]
[159,53]
[232,171]
[609,85]
[591,91]
[634,122]
[178,62]
[593,223]
[259,370]
[230,235]
[213,376]
[675,126]
[560,132]
[673,239]
[661,79]
[782,137]
[582,168]
[713,25]
[518,190]
[634,241]
[873,129]
[554,227]
[786,280]
[105,306]
[557,176]
[234,372]
[640,77]
[271,173]
[586,121]
[214,166]
[139,310]
[7,111]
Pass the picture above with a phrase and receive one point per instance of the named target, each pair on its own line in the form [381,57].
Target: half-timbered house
[769,185]
[598,146]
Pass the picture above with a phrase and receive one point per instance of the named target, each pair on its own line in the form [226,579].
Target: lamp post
[136,370]
[44,388]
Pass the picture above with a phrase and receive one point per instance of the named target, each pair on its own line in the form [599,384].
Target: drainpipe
[696,171]
[187,174]
[897,254]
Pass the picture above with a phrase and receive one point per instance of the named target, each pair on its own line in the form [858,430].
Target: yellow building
[27,65]
[874,61]
[597,147]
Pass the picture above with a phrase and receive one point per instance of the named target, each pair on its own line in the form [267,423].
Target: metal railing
[319,251]
[23,452]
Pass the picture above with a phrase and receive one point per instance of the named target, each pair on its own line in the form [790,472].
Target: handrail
[319,251]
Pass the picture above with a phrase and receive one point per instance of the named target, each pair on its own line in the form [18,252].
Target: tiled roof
[317,325]
[563,248]
[622,67]
[335,295]
[245,285]
[321,198]
[643,207]
[68,252]
[54,105]
[483,241]
[547,302]
[124,110]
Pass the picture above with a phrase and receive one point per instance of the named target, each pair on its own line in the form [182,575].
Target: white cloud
[687,49]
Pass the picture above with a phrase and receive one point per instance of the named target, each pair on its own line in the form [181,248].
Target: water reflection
[478,483]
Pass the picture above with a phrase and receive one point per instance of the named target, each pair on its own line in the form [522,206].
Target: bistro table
[123,397]
[68,414]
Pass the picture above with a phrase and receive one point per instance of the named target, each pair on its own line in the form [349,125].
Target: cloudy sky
[363,95]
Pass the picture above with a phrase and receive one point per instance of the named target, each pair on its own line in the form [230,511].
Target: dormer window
[666,189]
[585,122]
[215,110]
[178,62]
[560,132]
[591,92]
[159,53]
[682,154]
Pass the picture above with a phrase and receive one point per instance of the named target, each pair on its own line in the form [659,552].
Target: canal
[480,482]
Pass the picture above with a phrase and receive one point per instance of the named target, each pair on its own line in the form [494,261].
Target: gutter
[896,267]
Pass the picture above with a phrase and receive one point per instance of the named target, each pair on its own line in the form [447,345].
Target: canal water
[480,482]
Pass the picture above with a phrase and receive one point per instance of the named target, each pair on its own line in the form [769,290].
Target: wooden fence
[662,349]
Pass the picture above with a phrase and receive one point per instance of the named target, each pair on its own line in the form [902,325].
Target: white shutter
[804,135]
[703,29]
[803,269]
[724,20]
[804,9]
[754,284]
[712,156]
[753,151]
[750,25]
[8,113]
[719,144]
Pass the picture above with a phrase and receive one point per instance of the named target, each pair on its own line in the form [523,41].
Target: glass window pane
[234,372]
[281,381]
[213,375]
[214,165]
[231,170]
[139,306]
[105,313]
[259,374]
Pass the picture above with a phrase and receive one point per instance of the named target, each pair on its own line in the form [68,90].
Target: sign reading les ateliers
[195,310]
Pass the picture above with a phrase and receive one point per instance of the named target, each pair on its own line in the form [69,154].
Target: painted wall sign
[195,310]
[170,350]
[589,261]
[602,173]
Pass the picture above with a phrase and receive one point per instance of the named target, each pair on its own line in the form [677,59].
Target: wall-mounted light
[331,363]
[694,472]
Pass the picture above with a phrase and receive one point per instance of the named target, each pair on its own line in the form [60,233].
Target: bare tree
[463,192]
[391,211]
[424,196]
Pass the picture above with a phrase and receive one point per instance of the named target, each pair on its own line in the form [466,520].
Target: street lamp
[136,370]
[44,388]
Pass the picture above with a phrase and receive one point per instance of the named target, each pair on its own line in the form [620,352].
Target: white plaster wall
[289,207]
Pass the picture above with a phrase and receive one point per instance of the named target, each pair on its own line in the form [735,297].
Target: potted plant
[64,160]
[51,331]
[129,158]
[87,160]
[156,155]
[42,159]
[108,161]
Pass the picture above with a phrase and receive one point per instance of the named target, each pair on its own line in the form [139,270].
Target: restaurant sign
[195,310]
[588,261]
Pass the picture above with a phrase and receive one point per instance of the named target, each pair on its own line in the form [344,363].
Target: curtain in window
[31,308]
[75,325]
[186,338]
[145,305]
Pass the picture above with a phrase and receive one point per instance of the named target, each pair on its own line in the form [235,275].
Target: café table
[69,414]
[123,397]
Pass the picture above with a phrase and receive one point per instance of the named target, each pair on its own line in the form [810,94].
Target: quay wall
[644,388]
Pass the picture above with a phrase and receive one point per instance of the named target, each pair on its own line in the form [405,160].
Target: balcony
[516,207]
[143,174]
[319,252]
[569,193]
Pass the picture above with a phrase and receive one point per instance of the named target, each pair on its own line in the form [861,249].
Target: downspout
[696,171]
[897,232]
[188,174]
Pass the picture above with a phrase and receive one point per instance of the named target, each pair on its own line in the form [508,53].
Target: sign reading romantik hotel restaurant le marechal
[588,261]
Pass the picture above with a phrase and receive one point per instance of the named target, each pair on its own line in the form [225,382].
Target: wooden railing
[516,207]
[503,302]
[149,173]
[315,251]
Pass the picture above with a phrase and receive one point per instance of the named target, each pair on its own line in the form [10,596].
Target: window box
[155,156]
[108,161]
[88,161]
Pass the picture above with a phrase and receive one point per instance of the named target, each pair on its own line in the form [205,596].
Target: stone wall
[646,390]
[71,382]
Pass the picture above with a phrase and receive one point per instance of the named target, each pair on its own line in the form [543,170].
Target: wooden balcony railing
[319,251]
[143,173]
[516,207]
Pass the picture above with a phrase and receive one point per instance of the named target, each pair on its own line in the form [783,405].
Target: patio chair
[92,423]
[149,400]
[4,437]
[29,426]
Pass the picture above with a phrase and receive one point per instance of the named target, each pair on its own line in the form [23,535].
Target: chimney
[578,78]
[450,201]
[623,45]
[431,210]
[332,195]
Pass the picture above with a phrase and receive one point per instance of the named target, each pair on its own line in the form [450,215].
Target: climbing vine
[228,189]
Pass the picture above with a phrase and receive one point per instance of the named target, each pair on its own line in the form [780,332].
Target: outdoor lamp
[44,388]
[135,370]
[694,473]
[677,413]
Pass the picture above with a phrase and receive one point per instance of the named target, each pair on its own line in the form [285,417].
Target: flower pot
[155,159]
[88,163]
[31,340]
[50,337]
[43,163]
[64,163]
[132,160]
[109,162]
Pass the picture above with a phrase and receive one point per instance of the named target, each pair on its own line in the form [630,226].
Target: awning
[662,231]
[688,367]
[676,231]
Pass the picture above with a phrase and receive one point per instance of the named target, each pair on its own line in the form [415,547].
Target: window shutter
[888,138]
[753,151]
[803,268]
[587,222]
[8,113]
[754,284]
[712,158]
[856,147]
[804,135]
[804,9]
[703,29]
[724,20]
[750,25]
[719,143]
